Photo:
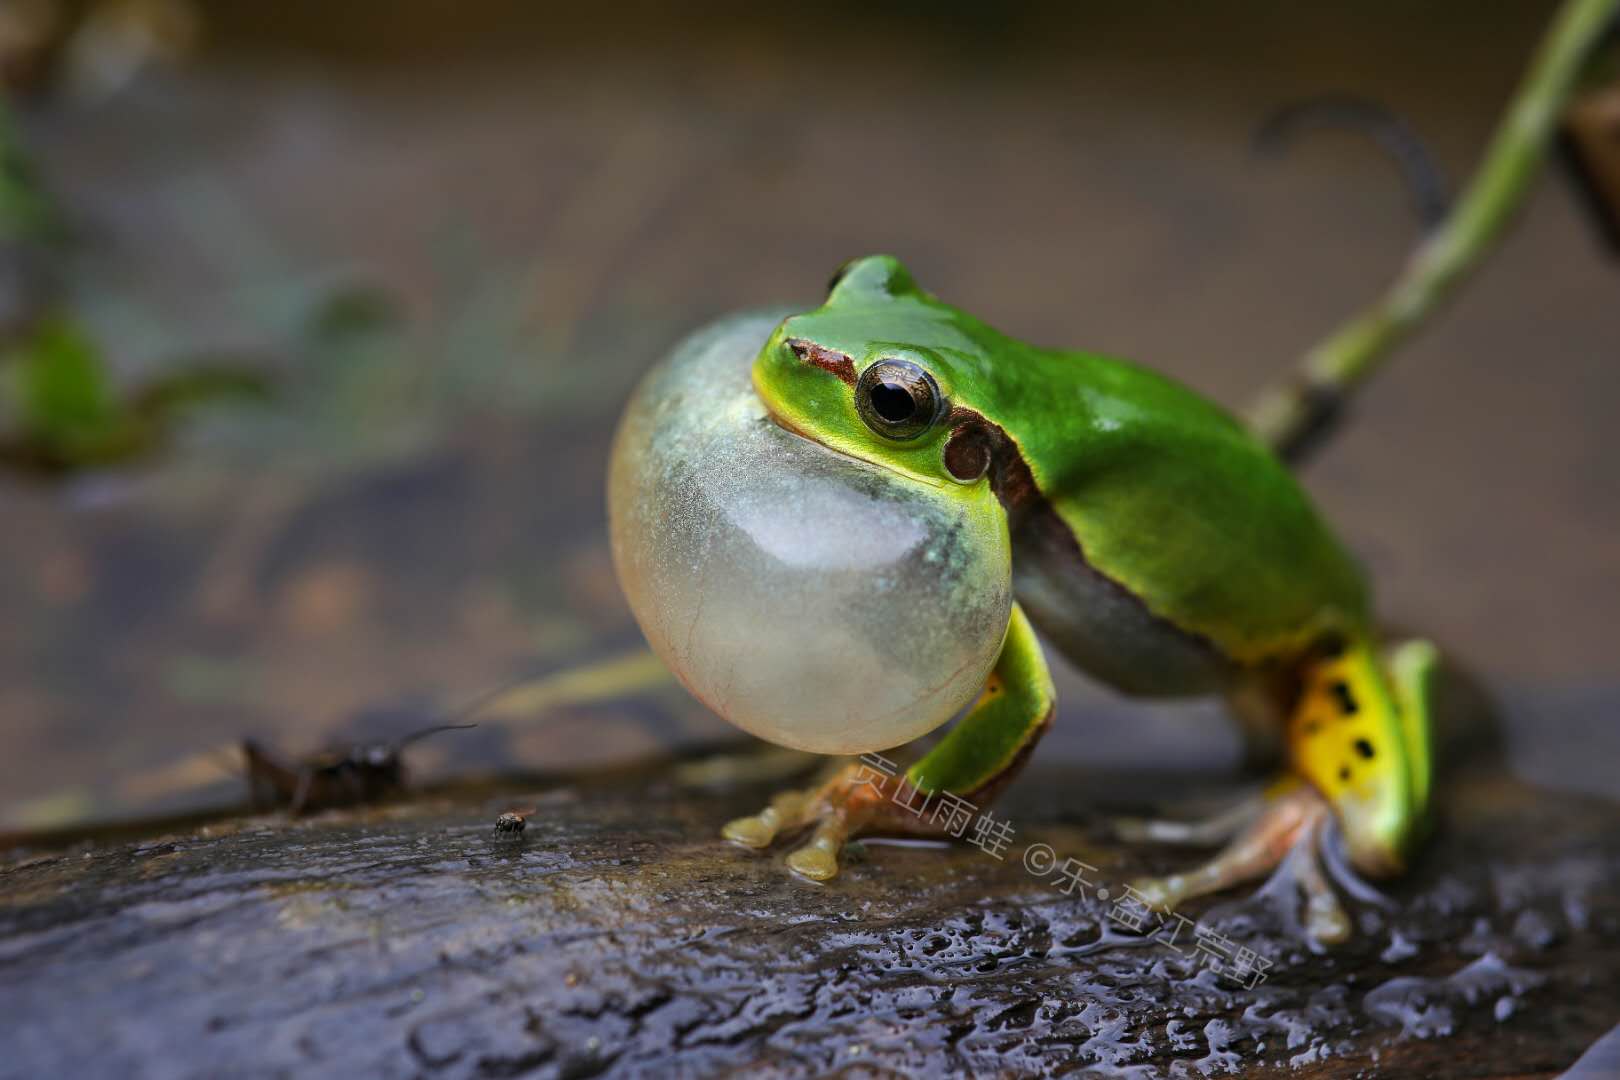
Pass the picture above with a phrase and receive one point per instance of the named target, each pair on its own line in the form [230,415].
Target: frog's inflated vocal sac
[1152,539]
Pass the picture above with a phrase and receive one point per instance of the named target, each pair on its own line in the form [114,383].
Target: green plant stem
[1288,416]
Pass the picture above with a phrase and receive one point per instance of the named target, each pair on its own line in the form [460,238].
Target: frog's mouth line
[788,427]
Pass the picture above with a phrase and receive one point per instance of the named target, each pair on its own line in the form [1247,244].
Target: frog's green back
[1171,497]
[1166,493]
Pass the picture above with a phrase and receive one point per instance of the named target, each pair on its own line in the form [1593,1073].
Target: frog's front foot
[1286,827]
[848,804]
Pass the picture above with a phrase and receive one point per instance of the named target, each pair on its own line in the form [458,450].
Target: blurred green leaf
[65,397]
[65,413]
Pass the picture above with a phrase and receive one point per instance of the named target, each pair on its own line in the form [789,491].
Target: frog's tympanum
[841,528]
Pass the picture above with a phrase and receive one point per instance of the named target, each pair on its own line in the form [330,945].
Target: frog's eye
[897,399]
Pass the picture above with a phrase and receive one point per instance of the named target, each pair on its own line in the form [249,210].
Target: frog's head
[833,593]
[871,374]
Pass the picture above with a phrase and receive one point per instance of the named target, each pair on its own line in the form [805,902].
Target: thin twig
[1290,417]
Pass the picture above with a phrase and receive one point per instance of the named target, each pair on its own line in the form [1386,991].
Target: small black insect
[341,776]
[513,821]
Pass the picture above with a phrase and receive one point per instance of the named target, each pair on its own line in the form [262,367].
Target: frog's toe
[1164,893]
[1325,919]
[841,814]
[750,832]
[840,809]
[1258,848]
[1217,829]
[818,859]
[786,812]
[1285,834]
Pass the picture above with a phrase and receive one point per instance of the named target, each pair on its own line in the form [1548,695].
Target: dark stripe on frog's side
[1098,623]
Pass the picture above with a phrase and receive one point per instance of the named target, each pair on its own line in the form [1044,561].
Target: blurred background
[316,318]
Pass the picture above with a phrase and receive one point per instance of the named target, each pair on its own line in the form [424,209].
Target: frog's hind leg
[1283,833]
[1358,736]
[961,774]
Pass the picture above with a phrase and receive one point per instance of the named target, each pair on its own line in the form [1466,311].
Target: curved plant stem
[1289,417]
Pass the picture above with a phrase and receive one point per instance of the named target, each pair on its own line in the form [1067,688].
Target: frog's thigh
[1360,735]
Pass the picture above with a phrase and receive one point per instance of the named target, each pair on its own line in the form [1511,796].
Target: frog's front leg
[974,761]
[1358,747]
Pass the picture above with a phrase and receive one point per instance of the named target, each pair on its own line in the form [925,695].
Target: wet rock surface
[616,935]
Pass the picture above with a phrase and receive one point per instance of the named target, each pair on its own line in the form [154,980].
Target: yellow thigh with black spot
[1359,733]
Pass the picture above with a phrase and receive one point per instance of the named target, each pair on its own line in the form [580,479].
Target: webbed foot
[1286,830]
[851,802]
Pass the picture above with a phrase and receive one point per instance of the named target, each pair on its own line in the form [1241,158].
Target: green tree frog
[843,527]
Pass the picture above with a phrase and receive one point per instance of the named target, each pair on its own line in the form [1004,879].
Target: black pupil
[893,402]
